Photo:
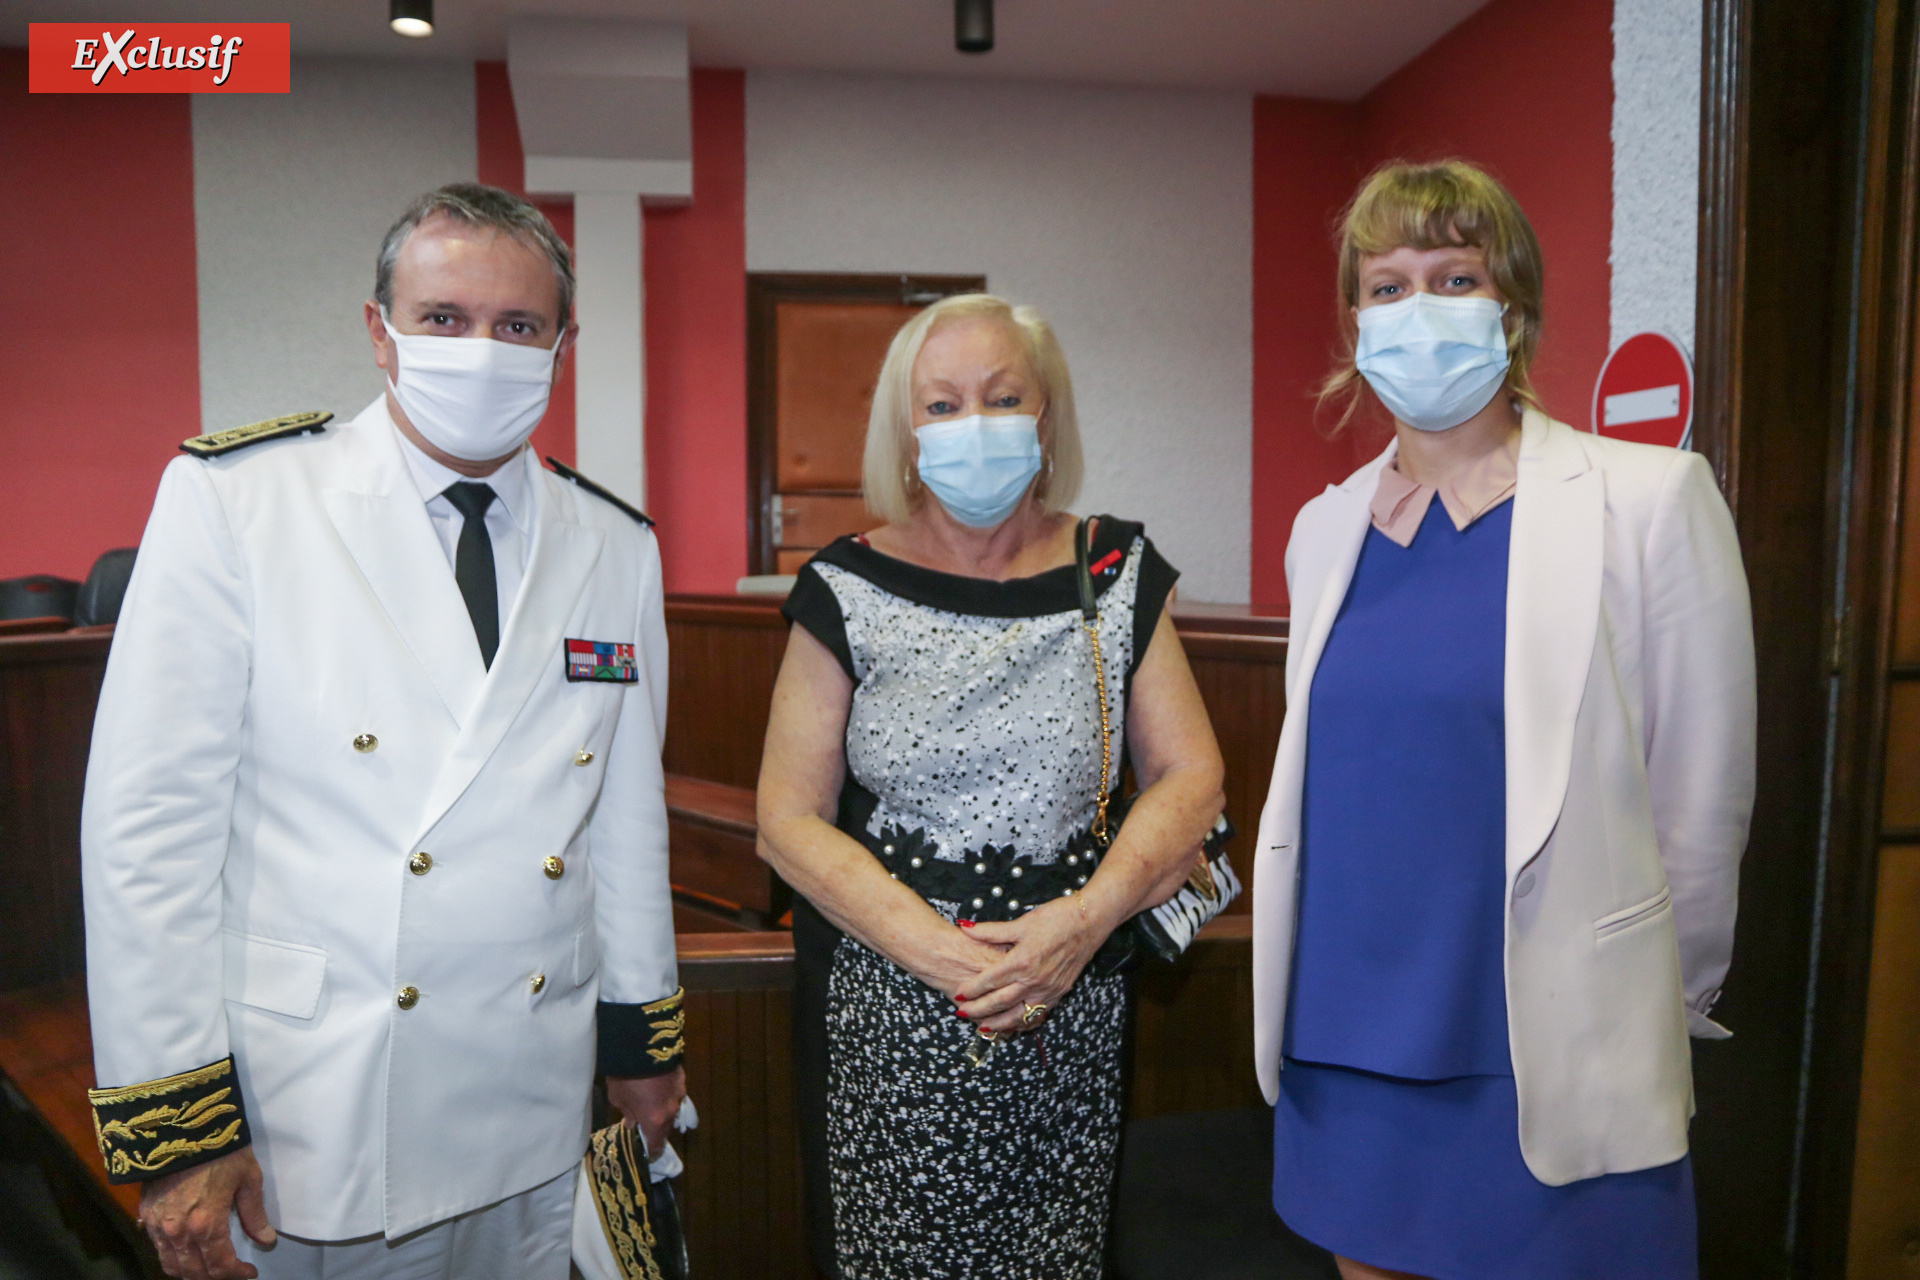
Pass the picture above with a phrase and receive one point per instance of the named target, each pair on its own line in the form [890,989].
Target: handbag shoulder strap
[1090,623]
[1089,606]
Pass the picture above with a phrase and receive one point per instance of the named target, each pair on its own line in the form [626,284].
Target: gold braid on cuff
[163,1126]
[667,1027]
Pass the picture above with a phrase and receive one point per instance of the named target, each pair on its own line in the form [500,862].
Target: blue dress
[1396,1134]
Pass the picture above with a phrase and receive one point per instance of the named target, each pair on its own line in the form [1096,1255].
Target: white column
[610,376]
[1656,166]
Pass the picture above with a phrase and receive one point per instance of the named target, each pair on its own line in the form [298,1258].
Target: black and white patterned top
[973,740]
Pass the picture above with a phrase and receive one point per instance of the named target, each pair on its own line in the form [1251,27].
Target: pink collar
[1399,505]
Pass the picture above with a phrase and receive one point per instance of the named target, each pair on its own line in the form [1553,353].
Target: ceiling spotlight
[415,18]
[972,25]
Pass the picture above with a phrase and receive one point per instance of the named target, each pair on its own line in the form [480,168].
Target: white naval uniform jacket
[246,868]
[1630,776]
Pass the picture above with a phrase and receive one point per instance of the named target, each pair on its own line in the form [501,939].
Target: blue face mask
[1434,361]
[980,467]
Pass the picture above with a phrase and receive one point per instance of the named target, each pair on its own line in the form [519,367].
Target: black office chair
[38,595]
[105,588]
[1195,1202]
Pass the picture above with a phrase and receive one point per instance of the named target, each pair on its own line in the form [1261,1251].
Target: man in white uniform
[374,833]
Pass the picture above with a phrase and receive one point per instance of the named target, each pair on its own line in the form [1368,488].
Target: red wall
[100,373]
[695,264]
[696,307]
[1305,164]
[1521,88]
[502,163]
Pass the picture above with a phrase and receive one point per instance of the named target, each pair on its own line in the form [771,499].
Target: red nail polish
[966,924]
[959,1013]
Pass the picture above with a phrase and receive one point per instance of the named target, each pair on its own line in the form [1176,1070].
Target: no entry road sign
[1645,392]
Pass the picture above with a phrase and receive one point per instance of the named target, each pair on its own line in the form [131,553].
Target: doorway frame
[1810,131]
[766,290]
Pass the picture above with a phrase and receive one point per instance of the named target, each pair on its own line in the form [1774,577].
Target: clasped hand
[1040,957]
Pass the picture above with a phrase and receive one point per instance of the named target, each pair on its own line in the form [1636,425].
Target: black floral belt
[991,883]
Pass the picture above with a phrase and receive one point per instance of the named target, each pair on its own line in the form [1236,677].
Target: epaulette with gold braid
[566,472]
[163,1126]
[219,442]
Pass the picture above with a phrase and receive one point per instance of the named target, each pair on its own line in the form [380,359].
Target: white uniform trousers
[524,1237]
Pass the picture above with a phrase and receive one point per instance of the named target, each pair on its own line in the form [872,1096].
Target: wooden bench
[715,871]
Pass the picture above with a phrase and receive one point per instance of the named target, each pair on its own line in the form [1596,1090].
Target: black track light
[972,25]
[415,17]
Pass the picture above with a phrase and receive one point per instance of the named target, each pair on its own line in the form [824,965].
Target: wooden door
[814,348]
[1883,1238]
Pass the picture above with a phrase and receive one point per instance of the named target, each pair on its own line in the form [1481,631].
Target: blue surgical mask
[980,467]
[1434,361]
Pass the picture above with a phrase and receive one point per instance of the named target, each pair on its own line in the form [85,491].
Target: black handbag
[1167,930]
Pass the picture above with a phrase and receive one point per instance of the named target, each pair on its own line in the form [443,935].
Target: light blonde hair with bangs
[890,474]
[1433,206]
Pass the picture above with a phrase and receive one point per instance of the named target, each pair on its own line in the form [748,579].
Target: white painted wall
[292,194]
[1656,165]
[1125,215]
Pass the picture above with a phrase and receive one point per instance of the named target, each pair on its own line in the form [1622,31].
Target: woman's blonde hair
[890,475]
[1432,206]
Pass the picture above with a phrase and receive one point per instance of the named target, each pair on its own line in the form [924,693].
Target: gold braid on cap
[619,1180]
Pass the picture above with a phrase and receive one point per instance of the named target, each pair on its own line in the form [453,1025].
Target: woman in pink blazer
[1496,874]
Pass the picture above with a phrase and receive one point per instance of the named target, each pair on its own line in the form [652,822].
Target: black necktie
[473,564]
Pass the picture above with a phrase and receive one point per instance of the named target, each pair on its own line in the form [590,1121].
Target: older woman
[932,772]
[1496,872]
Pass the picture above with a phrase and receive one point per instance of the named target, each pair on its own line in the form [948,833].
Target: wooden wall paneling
[1884,1236]
[723,655]
[49,685]
[1875,337]
[1900,800]
[1242,680]
[1193,1027]
[1878,971]
[1784,107]
[743,1163]
[1805,380]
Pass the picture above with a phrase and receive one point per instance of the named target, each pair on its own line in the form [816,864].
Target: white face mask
[1434,361]
[475,398]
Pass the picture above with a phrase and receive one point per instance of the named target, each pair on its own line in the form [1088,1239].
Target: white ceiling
[1310,48]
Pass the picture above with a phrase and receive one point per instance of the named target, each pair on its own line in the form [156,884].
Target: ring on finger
[1034,1013]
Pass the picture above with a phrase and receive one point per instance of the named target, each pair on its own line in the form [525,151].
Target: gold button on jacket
[539,982]
[365,743]
[554,868]
[408,997]
[583,756]
[420,863]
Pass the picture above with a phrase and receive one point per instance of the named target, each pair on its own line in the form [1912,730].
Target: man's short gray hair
[479,205]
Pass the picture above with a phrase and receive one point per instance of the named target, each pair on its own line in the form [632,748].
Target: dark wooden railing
[743,1190]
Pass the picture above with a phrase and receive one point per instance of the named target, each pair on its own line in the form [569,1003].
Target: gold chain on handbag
[1101,836]
[1200,879]
[1090,623]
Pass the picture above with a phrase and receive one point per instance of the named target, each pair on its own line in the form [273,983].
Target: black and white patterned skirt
[943,1169]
